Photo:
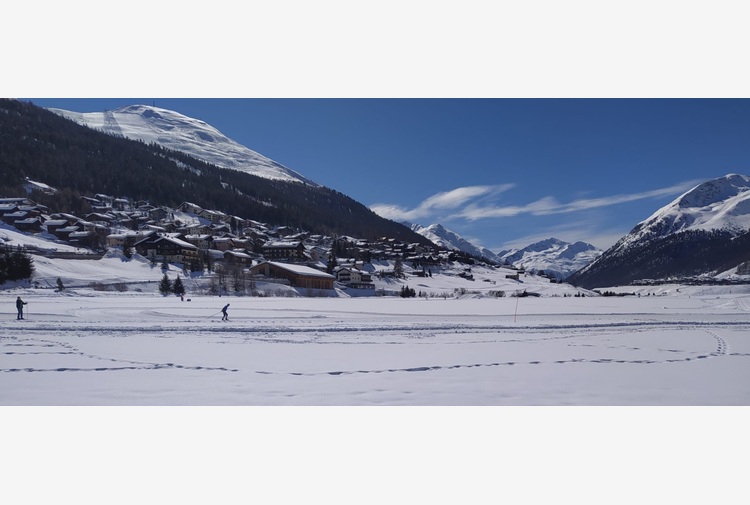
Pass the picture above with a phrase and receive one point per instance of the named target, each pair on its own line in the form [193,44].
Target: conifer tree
[165,285]
[178,288]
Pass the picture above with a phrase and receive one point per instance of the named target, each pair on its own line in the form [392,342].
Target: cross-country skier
[225,317]
[19,305]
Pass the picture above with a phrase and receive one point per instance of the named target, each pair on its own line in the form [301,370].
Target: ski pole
[212,315]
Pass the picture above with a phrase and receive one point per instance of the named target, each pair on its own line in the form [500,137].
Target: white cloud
[549,205]
[446,200]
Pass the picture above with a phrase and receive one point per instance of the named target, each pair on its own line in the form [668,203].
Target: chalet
[16,201]
[212,215]
[354,277]
[160,248]
[69,218]
[283,250]
[31,224]
[189,208]
[63,232]
[104,198]
[238,258]
[91,201]
[298,275]
[96,217]
[120,203]
[223,243]
[55,224]
[124,240]
[201,241]
[159,213]
[82,238]
[12,217]
[8,208]
[33,210]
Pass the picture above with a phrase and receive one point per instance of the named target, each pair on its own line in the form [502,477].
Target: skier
[19,305]
[225,317]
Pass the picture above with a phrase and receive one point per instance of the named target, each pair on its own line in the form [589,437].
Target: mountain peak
[703,232]
[178,132]
[556,257]
[717,204]
[714,191]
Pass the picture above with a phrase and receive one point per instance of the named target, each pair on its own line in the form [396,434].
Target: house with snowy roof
[161,248]
[298,275]
[283,250]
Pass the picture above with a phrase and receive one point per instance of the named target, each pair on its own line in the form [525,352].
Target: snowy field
[472,396]
[96,349]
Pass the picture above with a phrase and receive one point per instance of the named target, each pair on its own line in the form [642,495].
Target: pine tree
[165,285]
[178,288]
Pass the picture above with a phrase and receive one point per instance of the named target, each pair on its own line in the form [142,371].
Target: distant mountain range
[447,239]
[554,257]
[702,234]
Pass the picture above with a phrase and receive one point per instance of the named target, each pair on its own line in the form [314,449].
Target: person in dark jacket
[19,305]
[225,317]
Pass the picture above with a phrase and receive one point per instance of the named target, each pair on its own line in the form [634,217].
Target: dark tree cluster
[15,265]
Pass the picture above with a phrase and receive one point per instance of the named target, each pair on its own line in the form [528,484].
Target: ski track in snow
[396,334]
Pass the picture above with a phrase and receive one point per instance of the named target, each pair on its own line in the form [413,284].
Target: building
[161,248]
[284,250]
[354,277]
[298,275]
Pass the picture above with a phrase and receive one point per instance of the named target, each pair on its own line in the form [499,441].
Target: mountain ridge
[178,132]
[702,233]
[555,257]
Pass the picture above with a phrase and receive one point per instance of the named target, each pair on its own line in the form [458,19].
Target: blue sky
[500,172]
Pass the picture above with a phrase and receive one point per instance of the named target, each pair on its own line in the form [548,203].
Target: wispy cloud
[471,203]
[448,200]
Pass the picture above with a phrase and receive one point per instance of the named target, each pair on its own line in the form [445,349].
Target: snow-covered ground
[94,348]
[448,377]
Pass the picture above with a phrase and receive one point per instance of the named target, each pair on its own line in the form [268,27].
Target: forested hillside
[78,161]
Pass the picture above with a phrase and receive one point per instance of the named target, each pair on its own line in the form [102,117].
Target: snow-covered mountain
[718,204]
[555,257]
[443,237]
[178,132]
[703,232]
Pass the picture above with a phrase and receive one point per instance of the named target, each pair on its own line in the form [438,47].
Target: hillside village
[238,250]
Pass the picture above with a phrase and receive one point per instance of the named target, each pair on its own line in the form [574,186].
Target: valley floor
[98,349]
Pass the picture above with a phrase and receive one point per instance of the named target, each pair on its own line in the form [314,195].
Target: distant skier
[19,305]
[225,317]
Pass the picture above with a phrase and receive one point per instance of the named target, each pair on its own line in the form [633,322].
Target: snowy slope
[703,233]
[175,131]
[555,257]
[443,237]
[718,204]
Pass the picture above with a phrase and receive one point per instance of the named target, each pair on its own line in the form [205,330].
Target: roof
[300,269]
[277,244]
[181,243]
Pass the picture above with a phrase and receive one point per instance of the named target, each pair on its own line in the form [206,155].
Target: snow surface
[97,348]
